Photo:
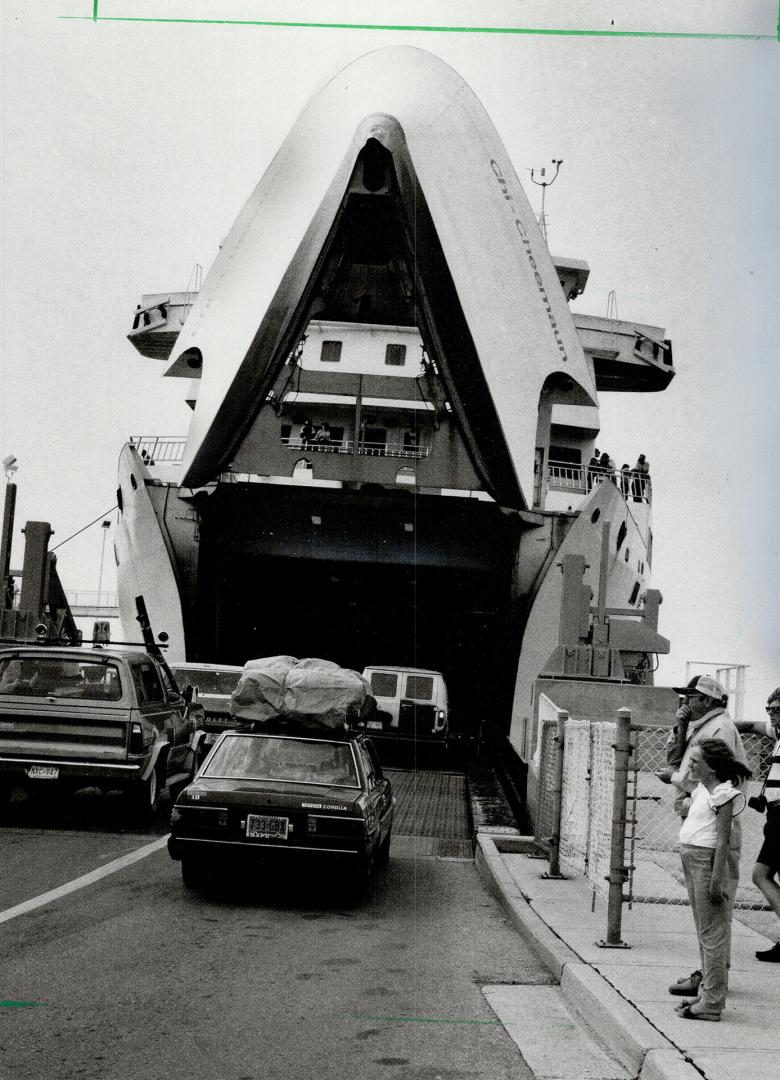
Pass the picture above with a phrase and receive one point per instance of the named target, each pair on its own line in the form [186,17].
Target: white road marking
[83,881]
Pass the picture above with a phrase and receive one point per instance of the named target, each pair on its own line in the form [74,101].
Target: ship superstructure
[394,410]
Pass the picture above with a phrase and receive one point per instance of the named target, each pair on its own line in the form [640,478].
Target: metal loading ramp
[431,814]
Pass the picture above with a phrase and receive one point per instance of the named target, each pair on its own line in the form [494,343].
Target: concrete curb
[667,1065]
[615,1020]
[553,952]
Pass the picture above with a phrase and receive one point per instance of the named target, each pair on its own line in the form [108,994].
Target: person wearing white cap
[767,869]
[701,716]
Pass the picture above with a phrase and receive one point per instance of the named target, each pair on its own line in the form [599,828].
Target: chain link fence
[578,808]
[546,828]
[652,826]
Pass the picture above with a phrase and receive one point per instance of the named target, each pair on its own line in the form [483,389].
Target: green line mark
[420,1019]
[20,1004]
[392,27]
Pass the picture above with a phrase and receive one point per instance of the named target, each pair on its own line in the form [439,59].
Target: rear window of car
[50,676]
[419,687]
[208,682]
[301,761]
[383,684]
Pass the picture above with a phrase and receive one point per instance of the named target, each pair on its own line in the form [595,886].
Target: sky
[130,147]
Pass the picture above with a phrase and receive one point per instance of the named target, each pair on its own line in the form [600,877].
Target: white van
[411,703]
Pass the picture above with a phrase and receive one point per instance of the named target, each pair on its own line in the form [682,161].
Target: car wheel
[361,877]
[145,796]
[383,851]
[193,872]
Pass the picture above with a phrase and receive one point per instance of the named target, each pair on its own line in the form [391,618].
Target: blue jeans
[713,921]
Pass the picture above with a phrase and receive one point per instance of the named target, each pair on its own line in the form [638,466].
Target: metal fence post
[617,869]
[556,792]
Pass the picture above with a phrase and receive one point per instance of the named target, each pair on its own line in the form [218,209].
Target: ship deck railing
[169,449]
[364,449]
[159,448]
[581,479]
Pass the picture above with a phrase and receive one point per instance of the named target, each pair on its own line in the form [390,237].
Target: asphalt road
[136,977]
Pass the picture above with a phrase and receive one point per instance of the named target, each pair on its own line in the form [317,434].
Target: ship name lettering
[522,233]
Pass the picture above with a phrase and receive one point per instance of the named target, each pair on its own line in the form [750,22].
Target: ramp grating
[431,814]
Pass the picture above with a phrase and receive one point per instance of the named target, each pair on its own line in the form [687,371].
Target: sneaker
[687,986]
[770,956]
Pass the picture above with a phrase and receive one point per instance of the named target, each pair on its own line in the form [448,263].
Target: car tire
[383,851]
[145,796]
[193,872]
[362,876]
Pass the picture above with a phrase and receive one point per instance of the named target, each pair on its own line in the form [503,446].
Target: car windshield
[265,757]
[52,676]
[208,682]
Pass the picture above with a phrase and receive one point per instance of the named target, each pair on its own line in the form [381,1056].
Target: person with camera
[701,715]
[767,869]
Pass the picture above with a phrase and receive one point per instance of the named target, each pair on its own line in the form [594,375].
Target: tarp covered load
[314,692]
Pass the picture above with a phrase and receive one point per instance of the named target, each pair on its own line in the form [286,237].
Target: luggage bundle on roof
[312,693]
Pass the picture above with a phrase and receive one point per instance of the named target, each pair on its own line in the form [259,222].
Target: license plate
[375,725]
[43,772]
[259,827]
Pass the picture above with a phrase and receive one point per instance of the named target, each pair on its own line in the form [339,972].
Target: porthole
[634,594]
[595,515]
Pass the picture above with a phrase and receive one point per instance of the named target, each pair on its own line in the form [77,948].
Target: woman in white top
[710,859]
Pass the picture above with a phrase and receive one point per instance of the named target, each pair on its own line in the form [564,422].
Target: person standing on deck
[641,478]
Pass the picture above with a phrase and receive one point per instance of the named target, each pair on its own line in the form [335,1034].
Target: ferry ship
[393,413]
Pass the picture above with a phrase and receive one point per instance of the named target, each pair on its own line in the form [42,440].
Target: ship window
[119,499]
[628,554]
[595,515]
[395,355]
[621,537]
[406,475]
[411,440]
[286,432]
[634,593]
[649,547]
[570,454]
[336,436]
[330,352]
[133,482]
[374,440]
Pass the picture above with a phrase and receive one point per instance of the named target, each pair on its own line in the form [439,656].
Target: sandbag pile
[316,693]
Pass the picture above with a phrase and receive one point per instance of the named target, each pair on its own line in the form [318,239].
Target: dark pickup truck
[99,717]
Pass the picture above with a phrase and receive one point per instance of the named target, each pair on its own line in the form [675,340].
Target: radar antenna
[544,184]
